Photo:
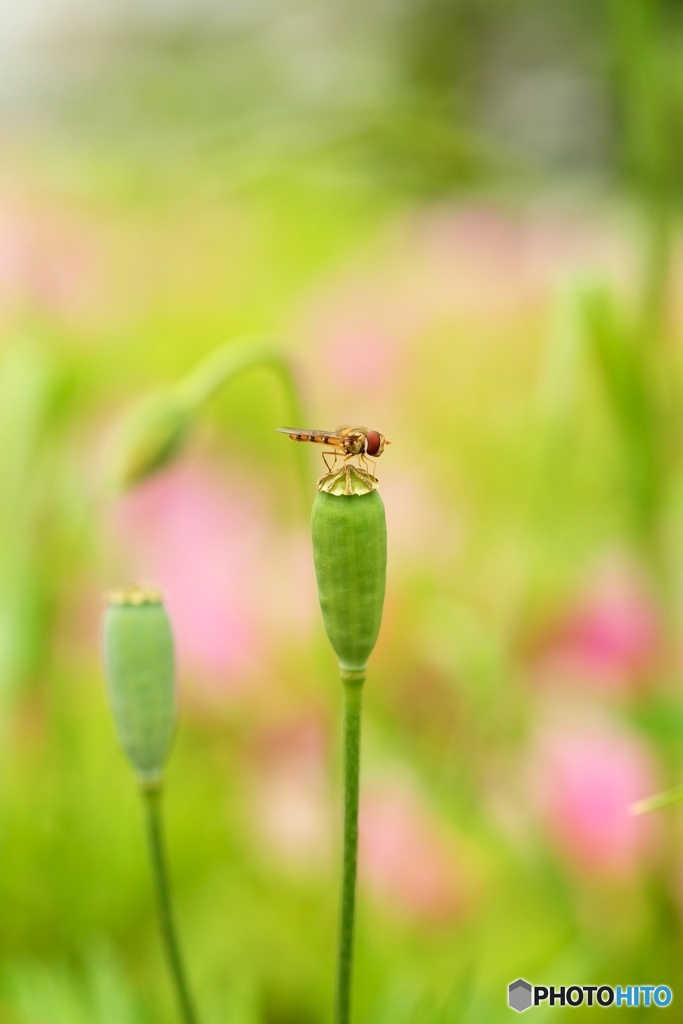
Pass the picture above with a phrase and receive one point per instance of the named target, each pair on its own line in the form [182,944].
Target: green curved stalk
[151,798]
[353,691]
[658,801]
[202,383]
[228,361]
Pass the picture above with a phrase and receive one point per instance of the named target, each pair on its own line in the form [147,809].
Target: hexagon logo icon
[519,995]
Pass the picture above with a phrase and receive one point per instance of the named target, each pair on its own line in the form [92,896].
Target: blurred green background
[460,222]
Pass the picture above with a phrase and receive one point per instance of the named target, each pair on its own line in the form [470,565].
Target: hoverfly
[346,441]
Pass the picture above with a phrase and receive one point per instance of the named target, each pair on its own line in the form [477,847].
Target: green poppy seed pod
[140,674]
[350,557]
[150,437]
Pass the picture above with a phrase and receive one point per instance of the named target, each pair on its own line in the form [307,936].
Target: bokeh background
[458,220]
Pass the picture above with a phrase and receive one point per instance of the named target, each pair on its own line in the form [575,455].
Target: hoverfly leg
[334,456]
[369,466]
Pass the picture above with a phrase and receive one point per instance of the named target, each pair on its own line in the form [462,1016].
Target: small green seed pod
[350,557]
[140,674]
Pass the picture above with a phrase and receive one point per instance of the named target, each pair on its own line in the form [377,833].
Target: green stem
[642,82]
[203,382]
[659,801]
[353,689]
[151,796]
[237,356]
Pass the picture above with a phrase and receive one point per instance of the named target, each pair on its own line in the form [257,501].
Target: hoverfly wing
[292,431]
[330,437]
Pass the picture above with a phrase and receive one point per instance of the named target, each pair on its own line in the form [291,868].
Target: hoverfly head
[375,443]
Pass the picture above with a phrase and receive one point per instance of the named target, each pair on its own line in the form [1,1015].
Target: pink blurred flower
[422,526]
[583,780]
[610,638]
[359,330]
[405,858]
[231,580]
[485,272]
[491,261]
[290,800]
[47,260]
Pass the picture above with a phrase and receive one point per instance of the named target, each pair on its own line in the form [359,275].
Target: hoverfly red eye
[373,442]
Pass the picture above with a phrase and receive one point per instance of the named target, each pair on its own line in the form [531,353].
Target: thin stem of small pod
[353,692]
[151,798]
